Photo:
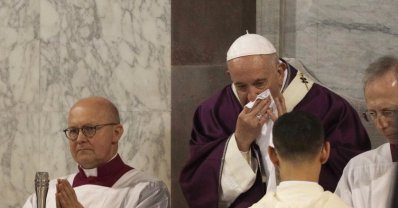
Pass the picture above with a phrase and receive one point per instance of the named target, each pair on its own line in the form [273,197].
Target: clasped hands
[66,196]
[250,121]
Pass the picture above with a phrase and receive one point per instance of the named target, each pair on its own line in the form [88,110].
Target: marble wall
[336,40]
[54,52]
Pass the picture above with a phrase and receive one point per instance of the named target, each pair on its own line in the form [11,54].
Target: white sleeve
[153,195]
[237,175]
[30,202]
[343,189]
[273,179]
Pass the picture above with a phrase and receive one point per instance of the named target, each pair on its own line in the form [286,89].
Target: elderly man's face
[381,97]
[253,74]
[100,148]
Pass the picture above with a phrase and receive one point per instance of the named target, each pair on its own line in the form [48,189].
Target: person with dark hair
[299,151]
[368,179]
[102,179]
[232,129]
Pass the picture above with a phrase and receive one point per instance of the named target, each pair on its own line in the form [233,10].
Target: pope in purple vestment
[215,121]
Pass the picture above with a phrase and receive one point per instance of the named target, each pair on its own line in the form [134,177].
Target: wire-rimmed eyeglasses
[88,131]
[371,115]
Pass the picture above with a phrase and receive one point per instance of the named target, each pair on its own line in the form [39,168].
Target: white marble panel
[20,156]
[19,60]
[336,40]
[53,53]
[118,49]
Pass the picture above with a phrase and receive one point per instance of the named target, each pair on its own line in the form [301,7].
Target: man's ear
[227,72]
[281,71]
[282,66]
[273,156]
[325,152]
[117,133]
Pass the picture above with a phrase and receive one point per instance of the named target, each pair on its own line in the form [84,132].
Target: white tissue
[262,96]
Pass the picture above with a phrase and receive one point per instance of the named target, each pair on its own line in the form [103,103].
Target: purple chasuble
[214,122]
[107,174]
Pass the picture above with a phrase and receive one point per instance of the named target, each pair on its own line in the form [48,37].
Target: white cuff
[237,174]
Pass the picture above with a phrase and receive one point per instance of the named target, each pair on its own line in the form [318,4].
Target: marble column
[53,53]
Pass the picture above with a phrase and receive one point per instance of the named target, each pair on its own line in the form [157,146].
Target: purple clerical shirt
[107,174]
[214,122]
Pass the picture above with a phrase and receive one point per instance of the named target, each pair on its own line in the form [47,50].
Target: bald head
[100,104]
[93,149]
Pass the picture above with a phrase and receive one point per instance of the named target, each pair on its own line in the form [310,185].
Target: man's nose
[252,94]
[80,136]
[382,122]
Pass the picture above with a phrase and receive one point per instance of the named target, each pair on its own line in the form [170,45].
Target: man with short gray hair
[368,179]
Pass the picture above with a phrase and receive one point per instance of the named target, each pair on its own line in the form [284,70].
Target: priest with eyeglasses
[103,179]
[368,179]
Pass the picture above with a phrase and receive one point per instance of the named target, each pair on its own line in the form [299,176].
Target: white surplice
[368,179]
[133,189]
[300,194]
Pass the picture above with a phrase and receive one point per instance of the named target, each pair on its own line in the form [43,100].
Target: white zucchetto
[250,44]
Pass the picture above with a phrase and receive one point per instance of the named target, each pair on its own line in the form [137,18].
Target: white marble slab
[53,53]
[336,40]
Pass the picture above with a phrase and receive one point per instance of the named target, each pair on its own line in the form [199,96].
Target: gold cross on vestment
[304,80]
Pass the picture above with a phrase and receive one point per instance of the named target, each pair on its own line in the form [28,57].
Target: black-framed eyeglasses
[88,131]
[371,115]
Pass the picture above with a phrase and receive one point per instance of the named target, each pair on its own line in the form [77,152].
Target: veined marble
[53,53]
[337,40]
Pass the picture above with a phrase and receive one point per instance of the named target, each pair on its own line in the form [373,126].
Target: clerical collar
[104,175]
[93,171]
